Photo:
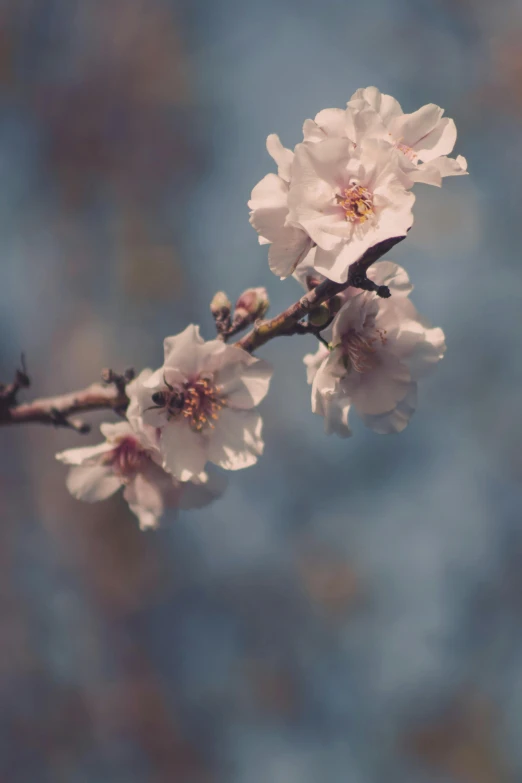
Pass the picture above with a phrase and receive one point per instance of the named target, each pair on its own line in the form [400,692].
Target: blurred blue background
[349,610]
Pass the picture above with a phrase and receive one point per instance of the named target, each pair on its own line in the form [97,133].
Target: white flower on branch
[200,403]
[380,349]
[424,138]
[348,199]
[269,214]
[127,459]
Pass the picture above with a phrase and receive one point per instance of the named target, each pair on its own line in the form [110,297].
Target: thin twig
[287,322]
[58,410]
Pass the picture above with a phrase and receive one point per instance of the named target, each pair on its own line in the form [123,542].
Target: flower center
[201,404]
[357,203]
[359,352]
[197,401]
[127,458]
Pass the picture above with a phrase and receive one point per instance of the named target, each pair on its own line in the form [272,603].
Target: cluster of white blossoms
[347,186]
[197,408]
[344,191]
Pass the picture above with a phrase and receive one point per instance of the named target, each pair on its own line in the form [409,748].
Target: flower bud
[252,304]
[220,305]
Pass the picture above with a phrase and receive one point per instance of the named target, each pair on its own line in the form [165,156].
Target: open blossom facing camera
[126,459]
[347,200]
[380,348]
[201,404]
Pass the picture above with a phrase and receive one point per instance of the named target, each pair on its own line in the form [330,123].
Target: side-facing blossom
[269,213]
[347,200]
[379,349]
[425,138]
[128,459]
[200,404]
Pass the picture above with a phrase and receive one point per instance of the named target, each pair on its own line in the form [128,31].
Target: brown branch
[111,395]
[287,322]
[58,410]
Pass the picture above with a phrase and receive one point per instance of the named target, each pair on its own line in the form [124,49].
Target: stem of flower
[58,410]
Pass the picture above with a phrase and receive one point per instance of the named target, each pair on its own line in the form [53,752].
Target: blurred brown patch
[274,689]
[147,269]
[461,743]
[329,581]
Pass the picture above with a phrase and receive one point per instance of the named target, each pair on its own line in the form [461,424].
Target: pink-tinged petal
[243,380]
[332,122]
[420,347]
[236,442]
[177,347]
[410,129]
[439,142]
[154,416]
[385,105]
[145,495]
[270,193]
[329,401]
[282,156]
[85,455]
[114,432]
[324,161]
[269,222]
[443,167]
[329,232]
[382,388]
[395,420]
[92,483]
[313,362]
[184,451]
[287,251]
[312,132]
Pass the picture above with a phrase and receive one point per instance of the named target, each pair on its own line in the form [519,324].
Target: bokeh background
[349,610]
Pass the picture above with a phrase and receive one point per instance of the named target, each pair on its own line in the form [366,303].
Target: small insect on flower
[170,398]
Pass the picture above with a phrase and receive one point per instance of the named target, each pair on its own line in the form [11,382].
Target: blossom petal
[244,380]
[410,129]
[282,156]
[236,442]
[183,450]
[84,455]
[395,420]
[440,141]
[385,105]
[92,483]
[177,347]
[145,495]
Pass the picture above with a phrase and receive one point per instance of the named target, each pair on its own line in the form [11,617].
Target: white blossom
[269,212]
[380,348]
[347,199]
[425,138]
[200,404]
[128,459]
